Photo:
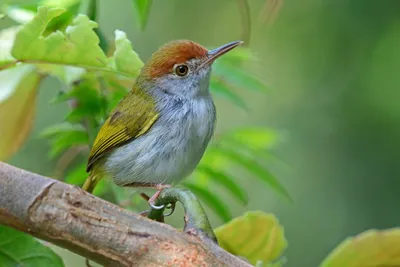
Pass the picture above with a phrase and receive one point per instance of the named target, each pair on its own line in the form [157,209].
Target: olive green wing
[132,117]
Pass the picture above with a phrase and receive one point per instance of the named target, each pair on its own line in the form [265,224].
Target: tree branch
[71,218]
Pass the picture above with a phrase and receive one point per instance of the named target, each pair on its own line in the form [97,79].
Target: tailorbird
[157,134]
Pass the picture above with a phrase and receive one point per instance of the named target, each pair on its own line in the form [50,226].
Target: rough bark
[71,218]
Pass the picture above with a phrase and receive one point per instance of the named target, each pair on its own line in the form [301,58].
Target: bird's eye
[181,70]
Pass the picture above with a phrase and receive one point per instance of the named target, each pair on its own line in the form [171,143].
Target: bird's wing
[132,117]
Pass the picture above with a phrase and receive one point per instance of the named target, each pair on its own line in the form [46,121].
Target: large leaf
[17,107]
[142,11]
[78,46]
[371,248]
[255,235]
[20,249]
[125,60]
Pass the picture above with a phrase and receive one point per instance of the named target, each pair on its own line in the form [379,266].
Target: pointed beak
[217,52]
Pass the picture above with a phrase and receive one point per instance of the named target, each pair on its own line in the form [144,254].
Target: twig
[270,11]
[71,218]
[196,221]
[246,20]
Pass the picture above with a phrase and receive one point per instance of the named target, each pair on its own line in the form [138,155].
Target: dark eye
[181,70]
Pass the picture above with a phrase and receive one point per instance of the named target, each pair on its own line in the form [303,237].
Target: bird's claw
[153,206]
[172,207]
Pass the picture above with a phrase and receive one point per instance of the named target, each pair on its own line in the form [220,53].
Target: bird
[158,133]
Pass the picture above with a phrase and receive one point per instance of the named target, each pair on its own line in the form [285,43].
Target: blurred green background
[333,70]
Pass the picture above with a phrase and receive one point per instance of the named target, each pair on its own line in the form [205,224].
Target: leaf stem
[9,65]
[30,61]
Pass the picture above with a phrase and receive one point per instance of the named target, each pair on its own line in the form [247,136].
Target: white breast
[171,149]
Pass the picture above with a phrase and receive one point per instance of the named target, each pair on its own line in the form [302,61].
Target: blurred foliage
[18,93]
[20,249]
[142,11]
[371,248]
[96,89]
[250,148]
[94,83]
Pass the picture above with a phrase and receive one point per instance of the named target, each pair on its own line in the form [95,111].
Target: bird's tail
[91,182]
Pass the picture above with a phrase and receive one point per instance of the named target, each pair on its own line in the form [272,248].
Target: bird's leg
[152,200]
[145,213]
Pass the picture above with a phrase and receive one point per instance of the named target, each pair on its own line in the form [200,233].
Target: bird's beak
[212,55]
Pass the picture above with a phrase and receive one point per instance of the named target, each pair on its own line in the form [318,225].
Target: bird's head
[182,68]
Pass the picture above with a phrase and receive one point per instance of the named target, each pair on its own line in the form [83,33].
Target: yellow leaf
[371,248]
[255,235]
[17,107]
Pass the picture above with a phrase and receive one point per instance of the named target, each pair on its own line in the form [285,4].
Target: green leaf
[142,11]
[220,88]
[125,60]
[254,167]
[238,77]
[20,249]
[77,46]
[254,138]
[17,107]
[90,103]
[224,180]
[210,199]
[255,235]
[65,140]
[371,248]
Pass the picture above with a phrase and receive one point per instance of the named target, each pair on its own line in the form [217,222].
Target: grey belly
[166,154]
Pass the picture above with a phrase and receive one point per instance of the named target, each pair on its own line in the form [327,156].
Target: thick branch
[71,218]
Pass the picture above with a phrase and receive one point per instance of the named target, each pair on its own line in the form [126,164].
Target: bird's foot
[152,200]
[172,207]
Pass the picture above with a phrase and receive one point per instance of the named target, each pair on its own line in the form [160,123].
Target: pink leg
[152,200]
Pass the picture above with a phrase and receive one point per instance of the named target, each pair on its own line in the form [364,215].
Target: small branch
[196,221]
[71,218]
